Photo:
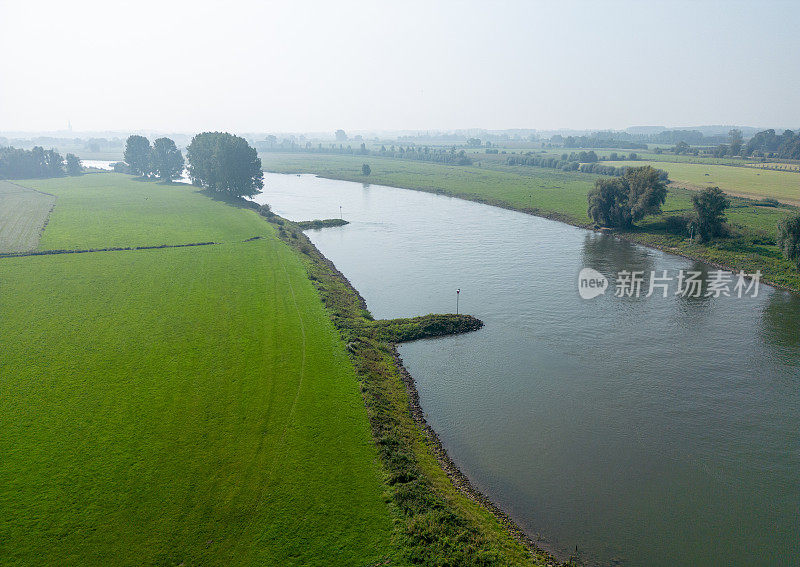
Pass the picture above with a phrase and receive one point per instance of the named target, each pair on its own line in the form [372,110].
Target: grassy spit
[561,196]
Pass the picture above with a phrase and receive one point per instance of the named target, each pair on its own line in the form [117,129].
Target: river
[641,430]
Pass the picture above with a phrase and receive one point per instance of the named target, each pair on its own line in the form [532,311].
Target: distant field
[744,181]
[23,214]
[185,406]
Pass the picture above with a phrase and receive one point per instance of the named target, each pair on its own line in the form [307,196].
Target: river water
[108,165]
[640,430]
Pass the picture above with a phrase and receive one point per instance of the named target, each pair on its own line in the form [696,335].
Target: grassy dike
[562,196]
[442,519]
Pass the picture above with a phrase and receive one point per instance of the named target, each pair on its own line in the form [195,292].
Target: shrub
[677,224]
[710,205]
[789,238]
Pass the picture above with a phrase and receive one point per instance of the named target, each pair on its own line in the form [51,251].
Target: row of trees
[770,144]
[571,163]
[162,160]
[16,163]
[224,163]
[763,144]
[598,142]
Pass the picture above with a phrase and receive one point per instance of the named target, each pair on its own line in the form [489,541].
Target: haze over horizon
[250,66]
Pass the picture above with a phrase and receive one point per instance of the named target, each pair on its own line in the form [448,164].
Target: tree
[73,165]
[137,154]
[365,169]
[341,136]
[166,159]
[647,192]
[608,202]
[735,141]
[224,163]
[789,238]
[621,201]
[681,148]
[710,205]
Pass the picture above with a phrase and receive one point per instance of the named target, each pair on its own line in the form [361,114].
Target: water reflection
[781,322]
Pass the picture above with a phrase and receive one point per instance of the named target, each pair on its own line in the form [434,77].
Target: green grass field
[102,210]
[562,195]
[744,181]
[23,214]
[184,406]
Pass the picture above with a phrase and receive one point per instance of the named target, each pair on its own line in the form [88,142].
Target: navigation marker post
[458,291]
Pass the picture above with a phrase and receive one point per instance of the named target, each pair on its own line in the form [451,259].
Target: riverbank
[561,196]
[444,520]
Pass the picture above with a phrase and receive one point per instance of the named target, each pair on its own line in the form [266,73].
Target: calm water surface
[644,431]
[108,165]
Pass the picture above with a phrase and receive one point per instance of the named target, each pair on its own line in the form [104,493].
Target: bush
[678,224]
[710,205]
[789,238]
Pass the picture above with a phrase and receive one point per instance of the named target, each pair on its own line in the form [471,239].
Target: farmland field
[744,181]
[23,214]
[188,406]
[102,210]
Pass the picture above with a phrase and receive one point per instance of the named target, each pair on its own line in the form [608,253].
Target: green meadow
[749,182]
[563,196]
[180,406]
[102,210]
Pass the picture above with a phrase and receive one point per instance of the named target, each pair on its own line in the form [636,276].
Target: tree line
[16,163]
[162,160]
[770,144]
[575,162]
[450,156]
[217,161]
[599,142]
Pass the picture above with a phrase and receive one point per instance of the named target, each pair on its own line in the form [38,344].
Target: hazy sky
[317,66]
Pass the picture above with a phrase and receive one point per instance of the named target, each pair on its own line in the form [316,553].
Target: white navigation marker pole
[458,291]
[340,212]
